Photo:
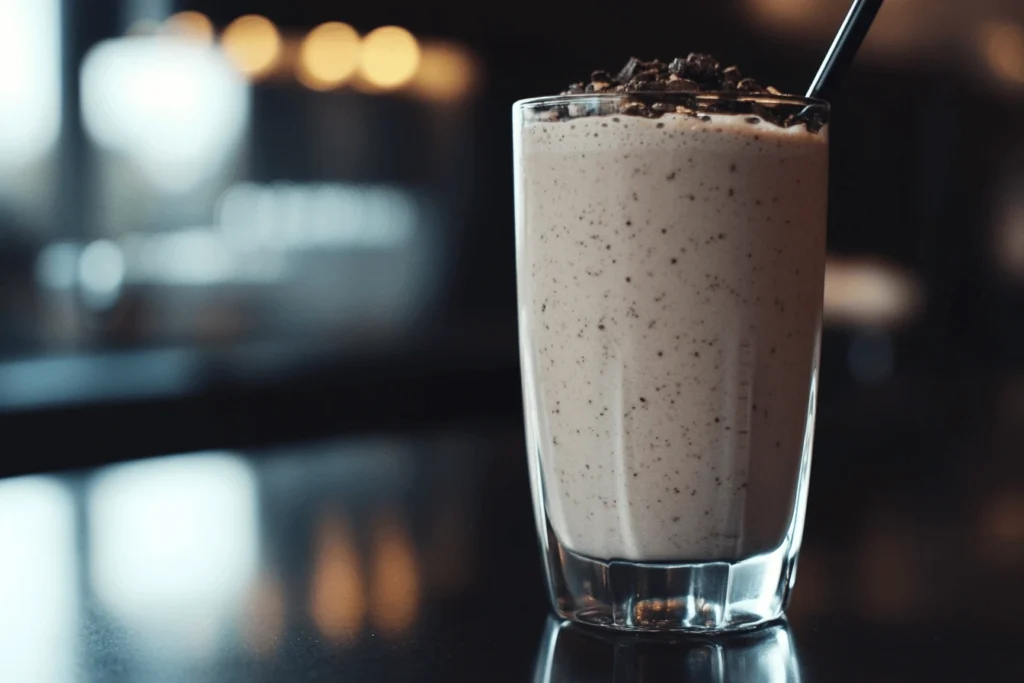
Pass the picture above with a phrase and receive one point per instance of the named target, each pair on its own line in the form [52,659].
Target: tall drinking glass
[670,252]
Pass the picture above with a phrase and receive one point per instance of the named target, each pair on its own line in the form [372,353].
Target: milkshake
[670,256]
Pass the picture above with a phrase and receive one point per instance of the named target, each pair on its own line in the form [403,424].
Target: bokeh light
[337,598]
[390,57]
[39,582]
[785,14]
[30,81]
[870,292]
[101,271]
[174,109]
[789,10]
[253,44]
[173,546]
[1003,47]
[447,72]
[329,56]
[191,25]
[395,591]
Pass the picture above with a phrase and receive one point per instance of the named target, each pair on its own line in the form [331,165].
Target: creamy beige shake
[670,287]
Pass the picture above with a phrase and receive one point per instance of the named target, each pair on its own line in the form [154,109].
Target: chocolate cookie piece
[702,68]
[750,85]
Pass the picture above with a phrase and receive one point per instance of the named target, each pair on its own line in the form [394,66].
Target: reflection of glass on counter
[574,654]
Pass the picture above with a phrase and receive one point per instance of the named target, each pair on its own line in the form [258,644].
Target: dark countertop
[386,557]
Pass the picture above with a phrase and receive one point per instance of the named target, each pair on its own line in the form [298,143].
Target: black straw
[844,48]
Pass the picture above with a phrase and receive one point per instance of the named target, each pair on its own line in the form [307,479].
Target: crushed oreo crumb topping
[691,75]
[695,72]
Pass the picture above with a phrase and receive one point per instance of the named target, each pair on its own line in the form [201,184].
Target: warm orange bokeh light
[191,25]
[253,44]
[447,72]
[329,56]
[337,598]
[390,57]
[395,586]
[1003,47]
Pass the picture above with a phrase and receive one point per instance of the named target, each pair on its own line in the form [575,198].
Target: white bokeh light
[38,589]
[173,547]
[30,99]
[101,273]
[175,107]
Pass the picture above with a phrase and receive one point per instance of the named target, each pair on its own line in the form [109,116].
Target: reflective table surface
[412,557]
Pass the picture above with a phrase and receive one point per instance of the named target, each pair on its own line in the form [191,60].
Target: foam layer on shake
[670,283]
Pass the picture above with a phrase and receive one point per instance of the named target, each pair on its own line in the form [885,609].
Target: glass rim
[669,95]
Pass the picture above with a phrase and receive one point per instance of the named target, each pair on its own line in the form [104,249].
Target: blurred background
[296,203]
[231,226]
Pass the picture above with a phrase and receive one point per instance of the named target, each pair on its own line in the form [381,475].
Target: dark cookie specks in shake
[670,249]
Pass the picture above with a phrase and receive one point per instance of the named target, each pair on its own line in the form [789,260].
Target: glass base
[705,597]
